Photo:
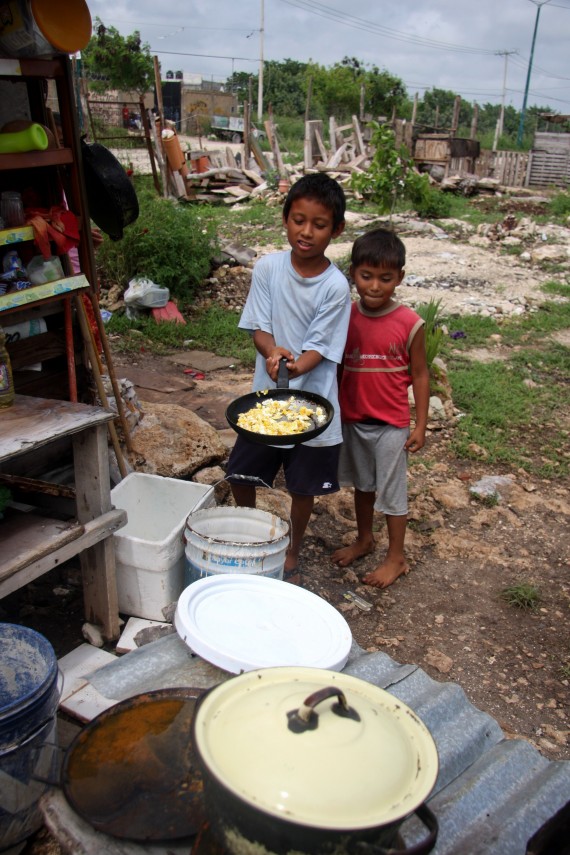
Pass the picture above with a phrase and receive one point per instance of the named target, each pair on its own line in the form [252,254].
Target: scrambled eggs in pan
[281,418]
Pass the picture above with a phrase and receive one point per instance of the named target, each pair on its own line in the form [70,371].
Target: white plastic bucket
[235,540]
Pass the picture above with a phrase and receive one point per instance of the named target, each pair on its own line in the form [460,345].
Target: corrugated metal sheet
[492,794]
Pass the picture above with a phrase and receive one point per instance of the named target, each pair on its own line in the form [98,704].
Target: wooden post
[308,149]
[272,136]
[455,120]
[308,101]
[148,141]
[362,94]
[414,110]
[246,133]
[332,134]
[158,87]
[474,121]
[158,137]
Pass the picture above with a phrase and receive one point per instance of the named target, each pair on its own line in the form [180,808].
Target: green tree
[391,173]
[285,86]
[113,61]
[439,104]
[385,93]
[240,83]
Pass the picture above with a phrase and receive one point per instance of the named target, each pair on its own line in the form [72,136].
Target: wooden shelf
[30,67]
[35,159]
[38,293]
[32,545]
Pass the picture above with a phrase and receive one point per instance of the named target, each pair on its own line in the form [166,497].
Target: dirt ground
[447,615]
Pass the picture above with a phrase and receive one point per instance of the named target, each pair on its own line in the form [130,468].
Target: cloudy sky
[448,44]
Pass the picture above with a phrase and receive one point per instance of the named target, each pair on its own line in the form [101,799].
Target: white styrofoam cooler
[149,549]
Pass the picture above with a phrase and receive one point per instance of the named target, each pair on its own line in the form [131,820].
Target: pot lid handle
[305,718]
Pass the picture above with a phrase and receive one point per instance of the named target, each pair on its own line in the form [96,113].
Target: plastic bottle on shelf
[6,379]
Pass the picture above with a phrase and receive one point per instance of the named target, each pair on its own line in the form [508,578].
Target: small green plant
[523,595]
[490,500]
[430,312]
[390,176]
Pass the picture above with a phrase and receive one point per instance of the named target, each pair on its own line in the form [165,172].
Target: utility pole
[523,111]
[501,124]
[260,81]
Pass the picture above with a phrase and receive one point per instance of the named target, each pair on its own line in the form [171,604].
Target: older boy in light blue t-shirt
[298,309]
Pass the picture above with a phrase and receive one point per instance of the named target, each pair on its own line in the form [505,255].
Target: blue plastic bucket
[29,696]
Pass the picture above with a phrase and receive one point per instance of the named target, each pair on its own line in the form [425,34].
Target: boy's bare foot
[386,573]
[347,554]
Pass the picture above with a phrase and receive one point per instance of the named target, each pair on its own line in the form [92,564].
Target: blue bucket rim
[45,649]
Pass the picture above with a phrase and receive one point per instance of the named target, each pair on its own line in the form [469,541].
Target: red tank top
[375,376]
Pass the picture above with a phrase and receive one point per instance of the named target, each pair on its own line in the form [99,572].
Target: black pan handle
[283,374]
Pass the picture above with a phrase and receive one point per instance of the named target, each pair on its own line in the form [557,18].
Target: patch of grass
[257,221]
[545,365]
[550,317]
[559,289]
[559,206]
[512,250]
[475,328]
[506,417]
[214,329]
[524,595]
[462,208]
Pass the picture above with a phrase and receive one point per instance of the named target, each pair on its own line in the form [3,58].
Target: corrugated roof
[492,794]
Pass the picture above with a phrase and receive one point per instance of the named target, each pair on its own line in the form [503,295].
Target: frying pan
[132,773]
[281,393]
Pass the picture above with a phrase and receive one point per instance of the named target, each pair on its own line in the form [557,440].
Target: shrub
[560,205]
[170,243]
[431,204]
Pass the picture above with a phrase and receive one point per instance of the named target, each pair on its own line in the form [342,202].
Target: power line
[322,11]
[204,55]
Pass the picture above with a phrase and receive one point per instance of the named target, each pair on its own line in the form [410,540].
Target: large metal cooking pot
[281,393]
[304,760]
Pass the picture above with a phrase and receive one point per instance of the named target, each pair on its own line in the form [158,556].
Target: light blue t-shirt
[301,314]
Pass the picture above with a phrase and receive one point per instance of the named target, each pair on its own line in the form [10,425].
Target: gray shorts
[373,460]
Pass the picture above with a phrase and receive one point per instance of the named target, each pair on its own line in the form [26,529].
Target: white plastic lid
[241,622]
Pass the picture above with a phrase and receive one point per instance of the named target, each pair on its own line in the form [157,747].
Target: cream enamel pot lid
[369,764]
